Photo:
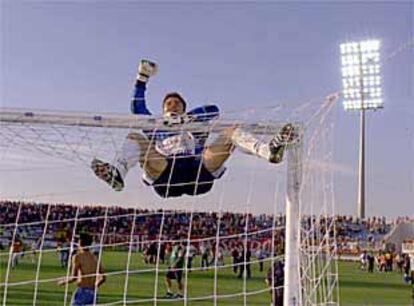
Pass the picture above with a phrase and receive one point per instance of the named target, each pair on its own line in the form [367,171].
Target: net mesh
[232,238]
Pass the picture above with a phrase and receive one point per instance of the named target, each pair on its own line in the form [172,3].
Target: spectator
[235,254]
[275,280]
[399,260]
[244,259]
[63,252]
[407,268]
[86,272]
[388,261]
[175,271]
[363,260]
[95,247]
[204,250]
[162,252]
[16,246]
[191,253]
[261,256]
[381,262]
[34,248]
[371,260]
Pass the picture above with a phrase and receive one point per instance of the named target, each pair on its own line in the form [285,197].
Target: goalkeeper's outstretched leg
[136,149]
[216,154]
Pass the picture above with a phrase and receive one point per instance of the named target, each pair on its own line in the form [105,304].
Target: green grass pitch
[356,287]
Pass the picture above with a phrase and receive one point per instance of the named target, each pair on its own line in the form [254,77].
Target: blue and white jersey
[175,143]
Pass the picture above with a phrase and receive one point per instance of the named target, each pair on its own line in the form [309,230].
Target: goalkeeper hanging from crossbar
[178,162]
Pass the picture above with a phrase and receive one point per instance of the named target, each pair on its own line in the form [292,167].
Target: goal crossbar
[122,121]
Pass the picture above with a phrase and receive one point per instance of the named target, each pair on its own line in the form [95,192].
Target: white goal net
[221,248]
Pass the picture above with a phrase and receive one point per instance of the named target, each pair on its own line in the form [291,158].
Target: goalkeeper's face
[173,105]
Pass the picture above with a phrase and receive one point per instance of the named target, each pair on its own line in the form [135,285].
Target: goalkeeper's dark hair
[174,95]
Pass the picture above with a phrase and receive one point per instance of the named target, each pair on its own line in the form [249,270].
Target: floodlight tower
[361,83]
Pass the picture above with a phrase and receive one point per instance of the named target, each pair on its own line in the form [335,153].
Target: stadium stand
[353,234]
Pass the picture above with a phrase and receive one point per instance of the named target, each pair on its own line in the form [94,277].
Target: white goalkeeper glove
[146,69]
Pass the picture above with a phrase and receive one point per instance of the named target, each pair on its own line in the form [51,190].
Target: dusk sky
[82,56]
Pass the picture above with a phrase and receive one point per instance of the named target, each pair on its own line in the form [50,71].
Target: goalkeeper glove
[146,69]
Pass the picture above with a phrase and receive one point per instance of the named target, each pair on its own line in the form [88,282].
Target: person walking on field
[86,272]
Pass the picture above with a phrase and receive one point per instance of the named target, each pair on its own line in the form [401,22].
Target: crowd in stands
[352,234]
[117,223]
[245,238]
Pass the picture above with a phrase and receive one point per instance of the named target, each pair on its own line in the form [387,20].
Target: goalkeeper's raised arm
[146,69]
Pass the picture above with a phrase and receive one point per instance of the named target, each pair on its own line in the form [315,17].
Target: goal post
[292,295]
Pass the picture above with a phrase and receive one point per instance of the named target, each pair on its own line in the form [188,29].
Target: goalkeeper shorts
[185,175]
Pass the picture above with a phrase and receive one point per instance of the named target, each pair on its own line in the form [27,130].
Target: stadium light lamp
[361,90]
